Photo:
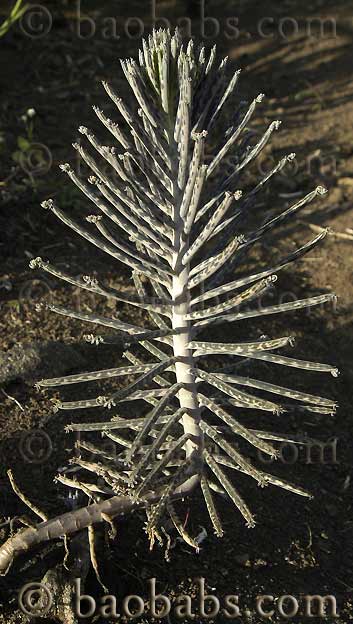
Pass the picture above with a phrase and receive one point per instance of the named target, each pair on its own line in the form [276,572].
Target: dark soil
[298,547]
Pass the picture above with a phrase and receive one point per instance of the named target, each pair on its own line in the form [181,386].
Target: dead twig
[24,498]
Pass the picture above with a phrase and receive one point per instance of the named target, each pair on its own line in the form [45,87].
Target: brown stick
[66,524]
[74,521]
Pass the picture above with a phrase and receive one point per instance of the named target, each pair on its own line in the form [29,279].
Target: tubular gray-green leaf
[241,348]
[225,149]
[268,387]
[155,317]
[211,507]
[292,362]
[142,381]
[245,464]
[242,399]
[208,267]
[237,428]
[209,227]
[112,127]
[162,306]
[278,309]
[253,291]
[162,463]
[101,244]
[195,198]
[230,489]
[320,190]
[196,163]
[271,479]
[173,419]
[151,419]
[253,152]
[92,318]
[227,93]
[108,373]
[220,290]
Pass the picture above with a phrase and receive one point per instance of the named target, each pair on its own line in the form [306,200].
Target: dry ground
[297,547]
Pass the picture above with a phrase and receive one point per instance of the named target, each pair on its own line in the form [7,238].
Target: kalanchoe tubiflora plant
[182,228]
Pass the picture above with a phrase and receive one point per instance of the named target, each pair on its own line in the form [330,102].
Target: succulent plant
[183,227]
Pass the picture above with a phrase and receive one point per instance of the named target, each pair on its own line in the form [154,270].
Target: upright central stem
[183,367]
[185,364]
